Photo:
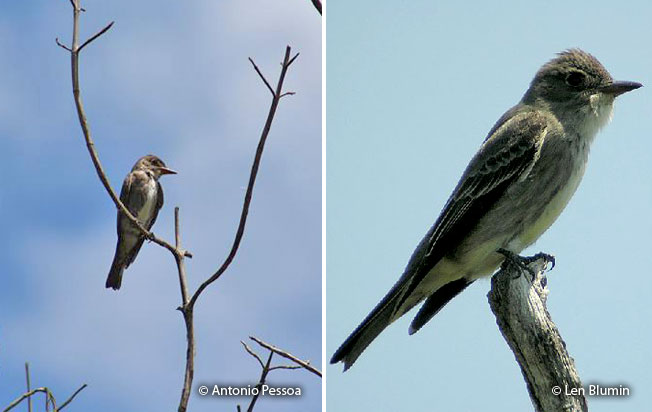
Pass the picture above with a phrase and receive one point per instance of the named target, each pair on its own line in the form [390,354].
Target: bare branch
[187,316]
[261,382]
[252,180]
[292,59]
[27,395]
[63,46]
[304,364]
[63,405]
[29,387]
[266,367]
[262,77]
[23,397]
[179,255]
[520,308]
[189,374]
[288,94]
[53,401]
[254,354]
[285,367]
[49,398]
[95,36]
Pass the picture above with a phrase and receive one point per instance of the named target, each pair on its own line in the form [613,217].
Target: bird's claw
[523,262]
[520,262]
[547,257]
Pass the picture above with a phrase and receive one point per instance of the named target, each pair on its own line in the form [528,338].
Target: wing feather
[506,156]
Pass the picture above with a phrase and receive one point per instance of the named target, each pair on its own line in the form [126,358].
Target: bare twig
[254,354]
[181,269]
[81,388]
[304,364]
[317,5]
[262,77]
[63,46]
[292,59]
[29,387]
[285,367]
[95,36]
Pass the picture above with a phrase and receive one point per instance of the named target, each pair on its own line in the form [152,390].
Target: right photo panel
[488,197]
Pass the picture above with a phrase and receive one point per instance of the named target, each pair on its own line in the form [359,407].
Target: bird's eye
[575,79]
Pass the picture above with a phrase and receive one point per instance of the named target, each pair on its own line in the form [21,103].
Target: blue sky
[170,79]
[412,89]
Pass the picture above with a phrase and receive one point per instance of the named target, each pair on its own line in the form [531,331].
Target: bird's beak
[618,88]
[166,171]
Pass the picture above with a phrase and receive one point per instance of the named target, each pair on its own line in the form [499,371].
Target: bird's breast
[558,175]
[150,201]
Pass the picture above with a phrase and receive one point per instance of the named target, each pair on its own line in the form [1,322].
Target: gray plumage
[513,189]
[142,195]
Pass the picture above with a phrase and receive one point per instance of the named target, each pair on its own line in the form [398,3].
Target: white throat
[598,115]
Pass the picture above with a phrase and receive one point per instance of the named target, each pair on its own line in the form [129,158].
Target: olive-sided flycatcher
[513,189]
[142,195]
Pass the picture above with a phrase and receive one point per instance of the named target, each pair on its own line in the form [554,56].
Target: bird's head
[154,165]
[576,83]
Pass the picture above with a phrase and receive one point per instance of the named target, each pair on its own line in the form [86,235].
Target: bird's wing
[124,198]
[507,155]
[133,200]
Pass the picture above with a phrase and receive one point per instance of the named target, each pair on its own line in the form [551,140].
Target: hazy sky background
[412,89]
[170,78]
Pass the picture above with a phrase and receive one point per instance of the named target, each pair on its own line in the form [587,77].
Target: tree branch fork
[50,400]
[267,367]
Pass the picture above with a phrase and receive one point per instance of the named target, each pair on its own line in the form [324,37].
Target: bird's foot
[523,262]
[541,255]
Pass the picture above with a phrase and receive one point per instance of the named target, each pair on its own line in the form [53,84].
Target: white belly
[145,214]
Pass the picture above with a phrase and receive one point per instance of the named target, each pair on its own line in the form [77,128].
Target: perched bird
[142,195]
[514,188]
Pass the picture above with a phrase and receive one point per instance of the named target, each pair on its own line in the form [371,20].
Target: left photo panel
[161,196]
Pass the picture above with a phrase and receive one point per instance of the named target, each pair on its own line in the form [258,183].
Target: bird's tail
[115,275]
[392,308]
[379,318]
